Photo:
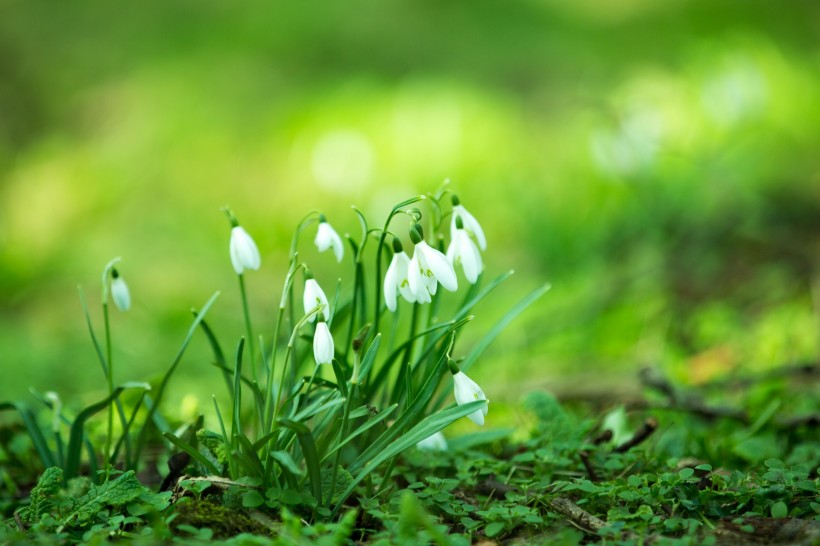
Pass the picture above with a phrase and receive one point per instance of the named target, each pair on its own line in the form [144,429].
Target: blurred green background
[657,162]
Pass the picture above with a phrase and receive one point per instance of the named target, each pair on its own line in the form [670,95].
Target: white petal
[120,294]
[470,224]
[440,266]
[244,253]
[470,257]
[391,283]
[403,263]
[323,344]
[415,278]
[313,296]
[434,442]
[466,390]
[477,417]
[326,237]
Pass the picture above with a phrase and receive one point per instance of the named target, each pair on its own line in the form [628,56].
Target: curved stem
[248,327]
[379,281]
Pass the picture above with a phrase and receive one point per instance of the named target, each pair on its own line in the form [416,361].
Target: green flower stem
[407,358]
[357,288]
[379,280]
[287,296]
[342,433]
[248,327]
[291,342]
[110,377]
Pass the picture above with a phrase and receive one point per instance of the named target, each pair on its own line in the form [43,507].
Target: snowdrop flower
[322,344]
[427,268]
[326,237]
[470,223]
[462,250]
[434,442]
[466,390]
[119,291]
[313,296]
[244,254]
[395,280]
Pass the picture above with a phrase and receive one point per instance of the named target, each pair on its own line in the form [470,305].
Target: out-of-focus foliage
[657,162]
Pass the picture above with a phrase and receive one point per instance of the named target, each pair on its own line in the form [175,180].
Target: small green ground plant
[332,433]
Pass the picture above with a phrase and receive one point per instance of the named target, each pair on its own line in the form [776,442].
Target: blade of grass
[193,452]
[75,442]
[425,428]
[309,452]
[34,431]
[143,435]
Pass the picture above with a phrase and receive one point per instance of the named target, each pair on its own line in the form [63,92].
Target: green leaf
[369,357]
[75,442]
[48,484]
[117,492]
[493,529]
[780,510]
[252,499]
[427,427]
[686,473]
[310,454]
[193,452]
[34,431]
[505,321]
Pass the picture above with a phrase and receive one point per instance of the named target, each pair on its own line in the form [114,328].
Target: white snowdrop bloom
[323,344]
[466,390]
[313,296]
[434,442]
[326,237]
[244,254]
[462,250]
[470,223]
[395,280]
[427,268]
[119,292]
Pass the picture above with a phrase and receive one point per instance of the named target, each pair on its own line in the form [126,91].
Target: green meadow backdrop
[657,162]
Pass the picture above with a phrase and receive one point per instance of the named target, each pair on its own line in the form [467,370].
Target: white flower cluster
[416,279]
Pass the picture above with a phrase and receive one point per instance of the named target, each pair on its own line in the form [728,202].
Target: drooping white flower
[434,442]
[244,254]
[427,268]
[395,280]
[313,296]
[323,349]
[326,237]
[462,250]
[119,291]
[466,390]
[470,223]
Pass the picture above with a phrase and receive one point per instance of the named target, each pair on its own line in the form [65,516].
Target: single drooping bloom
[434,442]
[462,250]
[427,268]
[326,237]
[466,390]
[323,344]
[244,254]
[395,280]
[313,296]
[119,291]
[470,223]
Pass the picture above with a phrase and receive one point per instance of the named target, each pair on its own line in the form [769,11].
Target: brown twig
[649,427]
[20,525]
[585,520]
[593,476]
[604,436]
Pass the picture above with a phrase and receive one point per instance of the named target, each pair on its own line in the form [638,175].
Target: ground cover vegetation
[355,454]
